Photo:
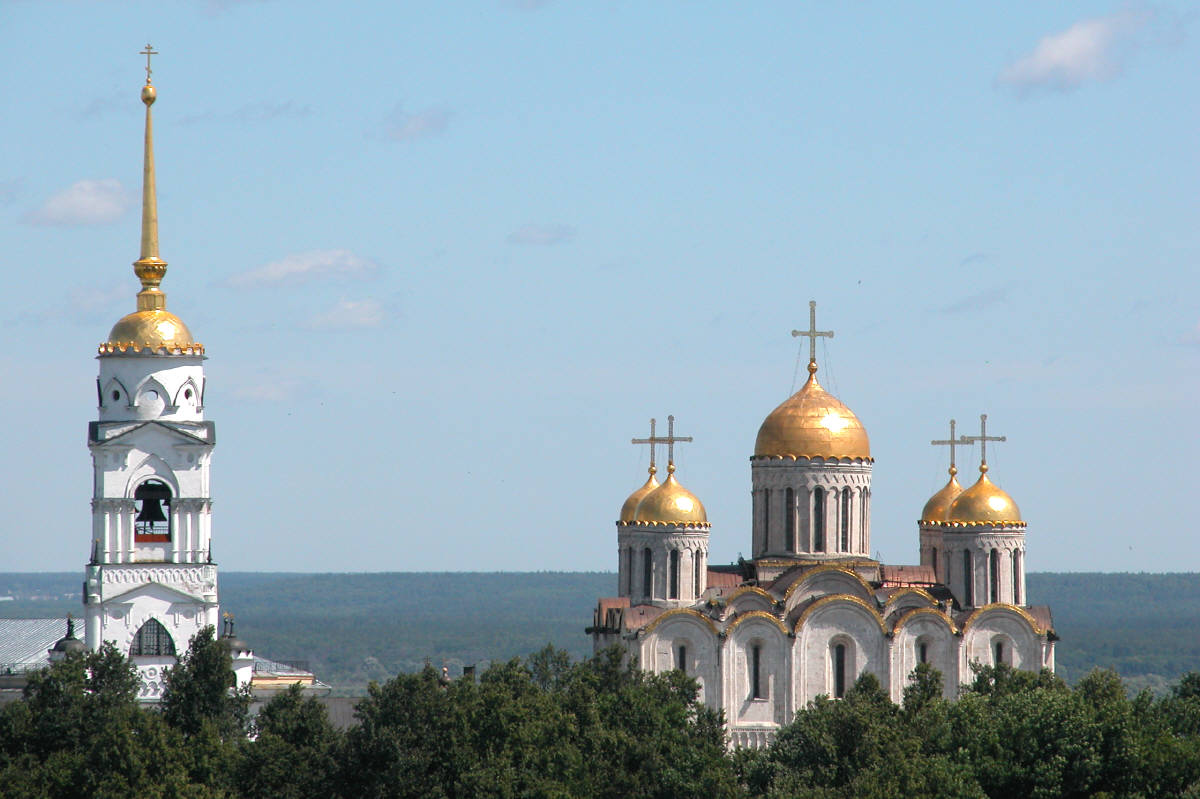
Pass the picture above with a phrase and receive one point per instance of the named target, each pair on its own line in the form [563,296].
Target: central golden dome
[984,503]
[812,423]
[670,503]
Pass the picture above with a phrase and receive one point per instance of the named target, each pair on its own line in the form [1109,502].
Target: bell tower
[150,582]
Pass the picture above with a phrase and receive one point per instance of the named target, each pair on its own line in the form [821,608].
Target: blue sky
[447,259]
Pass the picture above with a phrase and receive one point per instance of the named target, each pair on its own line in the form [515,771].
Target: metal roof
[25,643]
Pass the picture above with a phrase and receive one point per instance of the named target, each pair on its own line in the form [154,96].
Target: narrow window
[994,568]
[968,579]
[818,519]
[756,686]
[933,561]
[789,521]
[1016,576]
[628,571]
[923,652]
[767,520]
[674,582]
[947,570]
[999,653]
[697,573]
[647,573]
[152,639]
[681,658]
[839,671]
[152,500]
[845,519]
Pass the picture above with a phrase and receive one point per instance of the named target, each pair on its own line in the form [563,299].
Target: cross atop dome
[812,334]
[953,442]
[983,438]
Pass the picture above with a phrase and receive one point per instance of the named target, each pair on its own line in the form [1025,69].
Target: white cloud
[541,235]
[88,202]
[347,314]
[1088,50]
[302,266]
[408,126]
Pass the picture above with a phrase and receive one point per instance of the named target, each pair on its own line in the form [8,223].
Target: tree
[294,751]
[200,691]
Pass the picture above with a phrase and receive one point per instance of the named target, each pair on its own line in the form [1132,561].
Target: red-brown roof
[908,575]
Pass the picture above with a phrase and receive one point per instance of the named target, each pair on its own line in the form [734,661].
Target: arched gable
[1008,625]
[906,598]
[151,467]
[752,615]
[824,605]
[827,580]
[679,614]
[994,607]
[115,385]
[923,614]
[844,620]
[180,398]
[749,598]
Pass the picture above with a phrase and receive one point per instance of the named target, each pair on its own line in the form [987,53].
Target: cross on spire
[653,441]
[953,442]
[812,334]
[149,51]
[983,438]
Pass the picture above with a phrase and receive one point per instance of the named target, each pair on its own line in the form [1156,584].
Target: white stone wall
[166,387]
[690,542]
[1008,542]
[780,528]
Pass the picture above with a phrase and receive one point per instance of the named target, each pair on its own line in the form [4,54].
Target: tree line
[549,726]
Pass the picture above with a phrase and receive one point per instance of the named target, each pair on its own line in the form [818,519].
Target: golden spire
[149,267]
[151,327]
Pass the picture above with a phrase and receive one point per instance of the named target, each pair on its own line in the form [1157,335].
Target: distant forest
[351,629]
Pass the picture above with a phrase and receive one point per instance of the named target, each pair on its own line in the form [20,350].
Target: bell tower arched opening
[152,503]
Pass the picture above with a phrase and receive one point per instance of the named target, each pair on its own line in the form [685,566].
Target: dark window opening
[923,652]
[968,579]
[999,653]
[818,519]
[152,639]
[697,574]
[789,521]
[116,395]
[839,671]
[766,503]
[845,520]
[647,572]
[1016,576]
[933,562]
[681,658]
[152,500]
[674,581]
[756,682]
[994,564]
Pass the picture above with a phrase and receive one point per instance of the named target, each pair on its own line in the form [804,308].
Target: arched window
[757,683]
[845,519]
[697,573]
[681,658]
[998,651]
[933,561]
[152,500]
[994,569]
[789,521]
[818,518]
[647,572]
[152,639]
[922,652]
[673,583]
[766,512]
[968,579]
[839,670]
[1016,576]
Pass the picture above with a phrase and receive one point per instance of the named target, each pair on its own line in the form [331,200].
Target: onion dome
[939,504]
[151,327]
[984,503]
[630,506]
[812,423]
[229,639]
[69,643]
[670,503]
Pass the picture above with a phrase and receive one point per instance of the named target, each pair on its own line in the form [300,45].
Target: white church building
[811,611]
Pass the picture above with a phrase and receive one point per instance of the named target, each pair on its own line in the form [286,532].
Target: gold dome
[812,423]
[670,503]
[630,506]
[938,505]
[153,330]
[984,503]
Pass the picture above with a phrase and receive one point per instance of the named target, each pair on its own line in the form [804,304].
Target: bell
[151,511]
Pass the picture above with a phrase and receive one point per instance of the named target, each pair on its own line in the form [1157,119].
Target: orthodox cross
[952,442]
[669,439]
[812,333]
[653,441]
[983,438]
[149,51]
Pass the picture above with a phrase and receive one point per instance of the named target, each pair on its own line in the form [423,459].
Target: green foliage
[199,693]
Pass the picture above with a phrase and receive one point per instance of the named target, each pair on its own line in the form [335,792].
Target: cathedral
[811,610]
[150,583]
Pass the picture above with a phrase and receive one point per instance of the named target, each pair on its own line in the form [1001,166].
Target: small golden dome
[153,330]
[812,423]
[984,503]
[630,506]
[670,503]
[938,505]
